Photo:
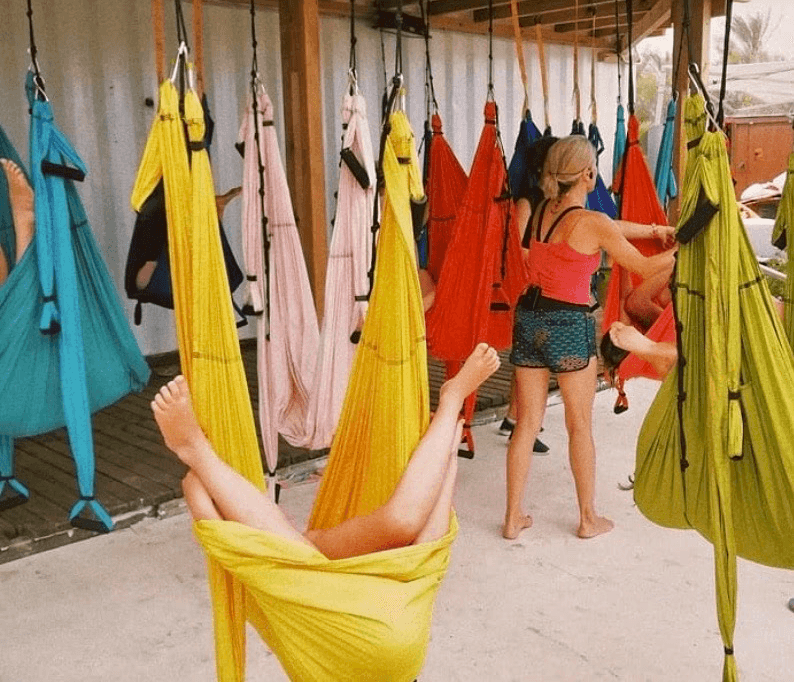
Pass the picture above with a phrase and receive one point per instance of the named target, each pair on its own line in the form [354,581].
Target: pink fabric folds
[346,278]
[286,357]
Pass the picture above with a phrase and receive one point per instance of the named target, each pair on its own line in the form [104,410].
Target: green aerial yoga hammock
[782,238]
[714,452]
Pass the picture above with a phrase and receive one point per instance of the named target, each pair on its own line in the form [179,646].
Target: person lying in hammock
[20,195]
[418,510]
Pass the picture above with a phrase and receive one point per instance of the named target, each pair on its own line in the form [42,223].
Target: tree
[749,34]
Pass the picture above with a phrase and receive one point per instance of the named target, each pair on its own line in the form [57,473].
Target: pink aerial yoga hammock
[278,288]
[346,281]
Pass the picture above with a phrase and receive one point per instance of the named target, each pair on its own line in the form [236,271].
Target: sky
[780,42]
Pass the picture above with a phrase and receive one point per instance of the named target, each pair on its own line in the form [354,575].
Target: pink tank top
[561,272]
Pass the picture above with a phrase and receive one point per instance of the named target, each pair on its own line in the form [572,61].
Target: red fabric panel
[445,186]
[474,272]
[640,204]
[661,330]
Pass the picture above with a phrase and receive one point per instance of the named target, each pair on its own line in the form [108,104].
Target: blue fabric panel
[7,241]
[422,245]
[517,171]
[600,199]
[664,176]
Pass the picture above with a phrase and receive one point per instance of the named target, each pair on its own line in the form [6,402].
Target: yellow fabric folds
[365,618]
[386,407]
[208,345]
[348,620]
[722,462]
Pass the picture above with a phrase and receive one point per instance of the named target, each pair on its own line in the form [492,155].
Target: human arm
[630,230]
[611,238]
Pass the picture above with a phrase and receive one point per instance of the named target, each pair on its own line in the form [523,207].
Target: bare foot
[597,526]
[20,194]
[482,362]
[628,338]
[145,274]
[174,414]
[3,267]
[512,527]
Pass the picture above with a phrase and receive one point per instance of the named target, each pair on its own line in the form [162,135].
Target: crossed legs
[418,510]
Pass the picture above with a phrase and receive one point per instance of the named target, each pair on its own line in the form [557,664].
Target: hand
[664,234]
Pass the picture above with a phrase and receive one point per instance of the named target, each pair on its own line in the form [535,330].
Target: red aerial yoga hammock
[638,203]
[445,186]
[483,272]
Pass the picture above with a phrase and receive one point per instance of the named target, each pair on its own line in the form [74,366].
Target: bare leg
[428,288]
[642,303]
[3,267]
[661,354]
[407,512]
[145,274]
[198,500]
[20,194]
[221,200]
[438,522]
[532,387]
[578,390]
[235,498]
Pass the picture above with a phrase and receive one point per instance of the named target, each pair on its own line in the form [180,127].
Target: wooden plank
[303,131]
[529,8]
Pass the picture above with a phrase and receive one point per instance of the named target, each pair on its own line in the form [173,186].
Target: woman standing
[554,330]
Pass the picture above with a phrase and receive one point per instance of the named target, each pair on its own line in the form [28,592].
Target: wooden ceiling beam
[585,26]
[529,8]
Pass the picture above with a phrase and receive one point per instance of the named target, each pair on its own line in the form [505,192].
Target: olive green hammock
[784,239]
[714,452]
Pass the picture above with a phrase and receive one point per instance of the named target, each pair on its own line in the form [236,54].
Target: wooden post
[700,30]
[305,160]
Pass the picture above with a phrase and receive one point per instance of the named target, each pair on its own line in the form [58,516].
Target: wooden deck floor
[135,475]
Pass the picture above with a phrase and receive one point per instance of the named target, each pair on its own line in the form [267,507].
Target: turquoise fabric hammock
[62,328]
[620,142]
[664,177]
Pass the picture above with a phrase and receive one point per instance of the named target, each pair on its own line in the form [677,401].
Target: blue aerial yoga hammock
[664,177]
[62,328]
[518,172]
[600,199]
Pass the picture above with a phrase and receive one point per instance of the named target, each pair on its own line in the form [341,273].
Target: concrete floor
[635,605]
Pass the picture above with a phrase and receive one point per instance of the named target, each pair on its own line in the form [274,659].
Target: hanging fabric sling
[783,238]
[619,148]
[484,270]
[638,203]
[518,172]
[147,283]
[664,177]
[365,617]
[346,282]
[600,198]
[714,452]
[287,331]
[65,348]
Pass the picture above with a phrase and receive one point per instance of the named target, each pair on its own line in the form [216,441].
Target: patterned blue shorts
[562,340]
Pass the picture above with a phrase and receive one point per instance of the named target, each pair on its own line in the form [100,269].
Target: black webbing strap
[33,51]
[398,45]
[261,171]
[490,50]
[430,92]
[353,40]
[181,31]
[62,171]
[725,52]
[630,22]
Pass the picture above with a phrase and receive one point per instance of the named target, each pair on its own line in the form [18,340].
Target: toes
[160,400]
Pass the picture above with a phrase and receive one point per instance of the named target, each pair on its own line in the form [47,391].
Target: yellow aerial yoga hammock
[366,617]
[714,452]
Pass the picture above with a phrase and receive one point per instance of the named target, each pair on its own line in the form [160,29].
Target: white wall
[97,58]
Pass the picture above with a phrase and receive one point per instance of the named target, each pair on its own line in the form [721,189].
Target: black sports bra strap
[536,215]
[556,222]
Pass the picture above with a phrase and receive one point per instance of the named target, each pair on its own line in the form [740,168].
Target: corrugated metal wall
[97,59]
